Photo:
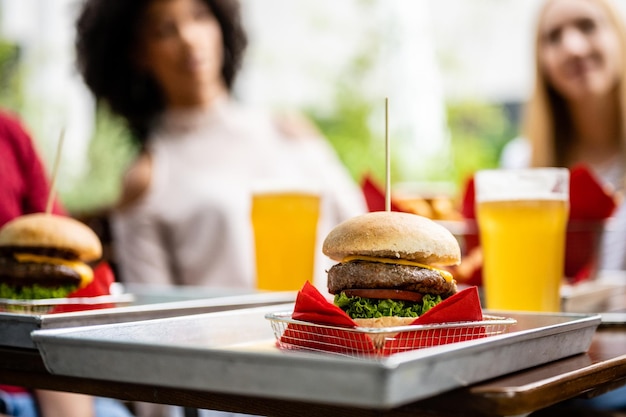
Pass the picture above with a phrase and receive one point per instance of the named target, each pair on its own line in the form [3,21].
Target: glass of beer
[285,233]
[522,219]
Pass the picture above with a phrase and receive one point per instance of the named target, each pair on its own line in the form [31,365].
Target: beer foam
[522,184]
[285,186]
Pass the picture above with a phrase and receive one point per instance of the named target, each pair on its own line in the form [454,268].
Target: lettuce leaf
[34,292]
[369,308]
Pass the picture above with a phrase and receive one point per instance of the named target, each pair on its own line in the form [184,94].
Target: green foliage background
[110,147]
[11,78]
[110,151]
[478,133]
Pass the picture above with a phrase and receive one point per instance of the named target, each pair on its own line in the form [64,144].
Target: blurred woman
[168,67]
[577,111]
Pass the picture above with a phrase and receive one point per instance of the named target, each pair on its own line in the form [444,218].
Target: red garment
[23,183]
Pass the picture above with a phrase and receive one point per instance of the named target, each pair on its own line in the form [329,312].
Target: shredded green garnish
[35,292]
[369,308]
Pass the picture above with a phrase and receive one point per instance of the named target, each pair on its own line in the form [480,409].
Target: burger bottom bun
[392,321]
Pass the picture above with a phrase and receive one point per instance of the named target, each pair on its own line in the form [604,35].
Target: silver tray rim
[53,302]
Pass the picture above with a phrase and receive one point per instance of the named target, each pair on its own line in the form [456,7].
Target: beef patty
[28,273]
[363,274]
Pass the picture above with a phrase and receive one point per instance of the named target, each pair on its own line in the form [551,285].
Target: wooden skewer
[55,169]
[387,159]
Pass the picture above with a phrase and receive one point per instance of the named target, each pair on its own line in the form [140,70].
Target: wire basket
[377,342]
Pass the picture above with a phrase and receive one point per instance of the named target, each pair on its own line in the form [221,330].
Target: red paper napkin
[462,306]
[312,306]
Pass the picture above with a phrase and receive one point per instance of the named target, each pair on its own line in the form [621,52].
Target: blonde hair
[546,110]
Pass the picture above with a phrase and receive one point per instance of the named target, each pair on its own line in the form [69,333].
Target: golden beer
[523,243]
[285,231]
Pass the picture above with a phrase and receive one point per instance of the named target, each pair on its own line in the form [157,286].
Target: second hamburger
[45,256]
[387,273]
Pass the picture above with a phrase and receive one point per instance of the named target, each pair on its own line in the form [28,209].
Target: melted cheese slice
[444,274]
[84,271]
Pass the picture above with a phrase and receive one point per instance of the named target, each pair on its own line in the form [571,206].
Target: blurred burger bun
[42,230]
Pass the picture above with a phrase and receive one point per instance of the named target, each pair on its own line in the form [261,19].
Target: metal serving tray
[148,303]
[235,352]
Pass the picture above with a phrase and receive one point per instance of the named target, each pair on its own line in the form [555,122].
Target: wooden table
[601,369]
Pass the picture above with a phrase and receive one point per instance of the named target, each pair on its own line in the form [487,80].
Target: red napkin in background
[313,307]
[103,277]
[471,239]
[374,195]
[589,200]
[468,202]
[590,205]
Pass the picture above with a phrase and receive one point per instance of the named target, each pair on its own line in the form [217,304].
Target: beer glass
[285,233]
[522,219]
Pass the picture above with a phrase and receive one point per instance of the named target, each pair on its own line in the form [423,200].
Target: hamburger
[388,272]
[45,255]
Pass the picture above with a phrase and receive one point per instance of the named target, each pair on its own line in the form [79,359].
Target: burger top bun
[391,234]
[51,231]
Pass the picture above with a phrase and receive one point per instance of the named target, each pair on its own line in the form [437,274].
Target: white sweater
[192,227]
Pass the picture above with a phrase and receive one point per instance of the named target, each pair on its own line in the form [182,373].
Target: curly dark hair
[106,38]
